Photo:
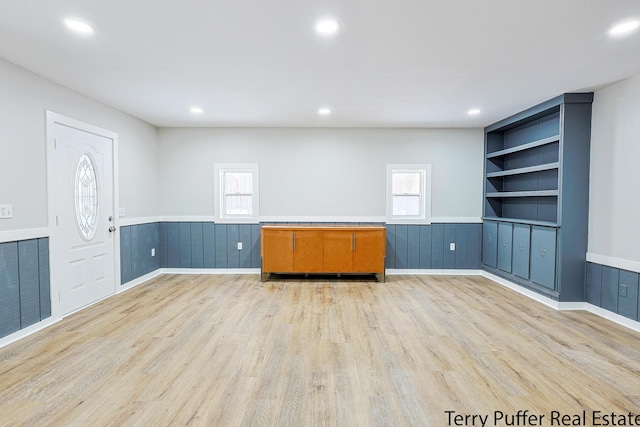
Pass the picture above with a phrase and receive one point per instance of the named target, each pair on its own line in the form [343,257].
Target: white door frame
[55,259]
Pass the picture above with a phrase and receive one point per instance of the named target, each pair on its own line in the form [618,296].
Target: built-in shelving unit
[536,196]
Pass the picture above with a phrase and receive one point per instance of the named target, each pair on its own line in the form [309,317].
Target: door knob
[112,229]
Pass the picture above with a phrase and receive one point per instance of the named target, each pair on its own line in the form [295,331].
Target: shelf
[528,146]
[548,166]
[536,193]
[522,221]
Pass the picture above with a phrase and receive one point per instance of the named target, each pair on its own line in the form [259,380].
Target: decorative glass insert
[86,197]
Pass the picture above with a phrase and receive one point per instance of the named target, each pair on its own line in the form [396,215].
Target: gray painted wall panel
[197,245]
[173,245]
[244,236]
[474,245]
[391,246]
[184,233]
[208,245]
[449,256]
[402,247]
[233,256]
[462,246]
[610,280]
[594,284]
[29,282]
[413,246]
[255,246]
[437,246]
[9,292]
[628,305]
[134,254]
[125,254]
[425,246]
[221,245]
[43,270]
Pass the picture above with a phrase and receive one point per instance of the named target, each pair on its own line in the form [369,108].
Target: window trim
[425,205]
[219,215]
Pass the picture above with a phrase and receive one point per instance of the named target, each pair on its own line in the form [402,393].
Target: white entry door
[83,235]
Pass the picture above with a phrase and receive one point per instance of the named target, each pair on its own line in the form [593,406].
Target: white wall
[320,172]
[614,206]
[24,98]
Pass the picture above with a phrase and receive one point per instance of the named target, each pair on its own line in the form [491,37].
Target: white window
[409,194]
[236,193]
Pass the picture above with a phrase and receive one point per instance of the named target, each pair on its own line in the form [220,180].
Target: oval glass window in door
[86,197]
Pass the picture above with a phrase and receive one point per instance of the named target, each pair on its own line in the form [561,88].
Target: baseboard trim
[138,281]
[29,330]
[432,272]
[210,270]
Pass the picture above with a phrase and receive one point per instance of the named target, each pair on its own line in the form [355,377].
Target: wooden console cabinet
[323,249]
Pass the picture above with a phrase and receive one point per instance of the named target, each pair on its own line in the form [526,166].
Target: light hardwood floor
[230,350]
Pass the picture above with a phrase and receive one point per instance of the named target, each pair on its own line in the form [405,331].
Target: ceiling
[404,63]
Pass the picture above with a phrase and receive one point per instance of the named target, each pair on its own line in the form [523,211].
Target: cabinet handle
[293,241]
[543,251]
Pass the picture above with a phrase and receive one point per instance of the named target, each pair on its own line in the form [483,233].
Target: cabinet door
[521,245]
[277,250]
[505,241]
[369,251]
[489,243]
[338,251]
[543,256]
[307,251]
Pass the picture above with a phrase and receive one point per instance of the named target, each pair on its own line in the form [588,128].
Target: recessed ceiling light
[624,28]
[78,26]
[324,111]
[327,27]
[474,112]
[197,110]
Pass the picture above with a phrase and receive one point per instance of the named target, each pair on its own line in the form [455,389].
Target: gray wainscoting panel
[449,237]
[402,247]
[125,254]
[594,284]
[135,256]
[462,246]
[45,282]
[628,295]
[173,245]
[221,245]
[197,245]
[209,248]
[136,244]
[474,249]
[610,280]
[244,237]
[233,257]
[437,246]
[9,290]
[29,282]
[391,247]
[424,232]
[413,247]
[24,284]
[255,246]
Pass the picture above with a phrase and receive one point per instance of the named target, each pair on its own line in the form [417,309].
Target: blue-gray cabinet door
[505,240]
[489,243]
[543,256]
[521,246]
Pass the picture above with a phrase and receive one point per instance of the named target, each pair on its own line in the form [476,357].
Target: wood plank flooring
[230,350]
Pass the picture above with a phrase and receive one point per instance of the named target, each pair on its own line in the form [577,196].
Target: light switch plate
[122,212]
[239,246]
[153,251]
[6,211]
[452,246]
